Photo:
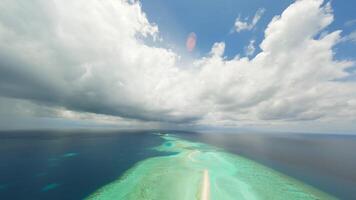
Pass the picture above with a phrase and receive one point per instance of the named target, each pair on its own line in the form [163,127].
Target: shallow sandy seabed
[202,172]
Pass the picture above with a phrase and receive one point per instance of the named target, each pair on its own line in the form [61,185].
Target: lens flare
[191,41]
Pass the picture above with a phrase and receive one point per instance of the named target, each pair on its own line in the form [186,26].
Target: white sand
[205,193]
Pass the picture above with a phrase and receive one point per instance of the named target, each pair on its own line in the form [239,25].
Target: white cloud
[241,25]
[218,49]
[350,22]
[84,55]
[250,49]
[350,37]
[89,58]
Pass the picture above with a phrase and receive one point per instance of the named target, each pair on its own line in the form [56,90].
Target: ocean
[75,164]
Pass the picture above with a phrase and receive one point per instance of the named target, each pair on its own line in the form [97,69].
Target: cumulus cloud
[244,24]
[85,56]
[250,48]
[90,58]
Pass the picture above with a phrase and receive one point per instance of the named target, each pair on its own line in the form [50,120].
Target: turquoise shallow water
[201,171]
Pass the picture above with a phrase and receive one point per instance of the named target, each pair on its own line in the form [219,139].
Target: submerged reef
[200,171]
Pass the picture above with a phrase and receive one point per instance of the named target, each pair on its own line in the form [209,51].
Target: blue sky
[212,21]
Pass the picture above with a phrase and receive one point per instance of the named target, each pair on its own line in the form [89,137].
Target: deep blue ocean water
[73,164]
[67,165]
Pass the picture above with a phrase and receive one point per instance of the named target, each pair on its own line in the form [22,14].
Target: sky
[217,64]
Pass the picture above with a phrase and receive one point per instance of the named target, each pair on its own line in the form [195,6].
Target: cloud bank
[92,57]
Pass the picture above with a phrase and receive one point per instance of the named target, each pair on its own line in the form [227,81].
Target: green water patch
[3,186]
[41,174]
[50,186]
[70,154]
[200,171]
